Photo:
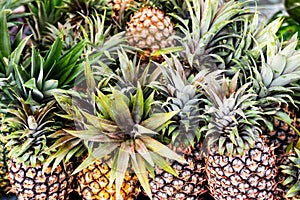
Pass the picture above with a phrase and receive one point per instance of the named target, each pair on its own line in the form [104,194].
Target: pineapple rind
[4,182]
[32,183]
[248,176]
[93,183]
[190,183]
[150,29]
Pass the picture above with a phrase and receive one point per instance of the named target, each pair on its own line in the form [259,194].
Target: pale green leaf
[141,149]
[121,112]
[138,105]
[97,154]
[278,64]
[266,74]
[90,135]
[142,174]
[162,163]
[157,120]
[122,165]
[161,149]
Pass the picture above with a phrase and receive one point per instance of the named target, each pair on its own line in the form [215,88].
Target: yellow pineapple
[117,132]
[93,182]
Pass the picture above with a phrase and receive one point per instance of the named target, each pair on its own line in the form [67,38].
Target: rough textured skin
[189,184]
[31,183]
[93,183]
[4,182]
[251,176]
[149,29]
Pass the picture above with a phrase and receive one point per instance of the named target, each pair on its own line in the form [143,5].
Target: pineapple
[289,173]
[117,130]
[239,165]
[191,180]
[149,29]
[273,78]
[183,136]
[28,86]
[93,182]
[26,143]
[130,72]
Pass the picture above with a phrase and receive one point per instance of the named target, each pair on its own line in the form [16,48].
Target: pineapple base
[190,183]
[31,183]
[93,183]
[249,176]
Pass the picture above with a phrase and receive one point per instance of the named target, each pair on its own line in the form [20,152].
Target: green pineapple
[239,165]
[30,127]
[27,94]
[37,82]
[101,48]
[183,135]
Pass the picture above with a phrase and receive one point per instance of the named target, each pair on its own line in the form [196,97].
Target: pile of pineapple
[119,99]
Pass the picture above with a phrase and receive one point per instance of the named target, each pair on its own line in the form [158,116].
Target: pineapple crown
[205,35]
[182,95]
[30,127]
[42,13]
[130,72]
[292,174]
[274,77]
[278,70]
[234,123]
[120,126]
